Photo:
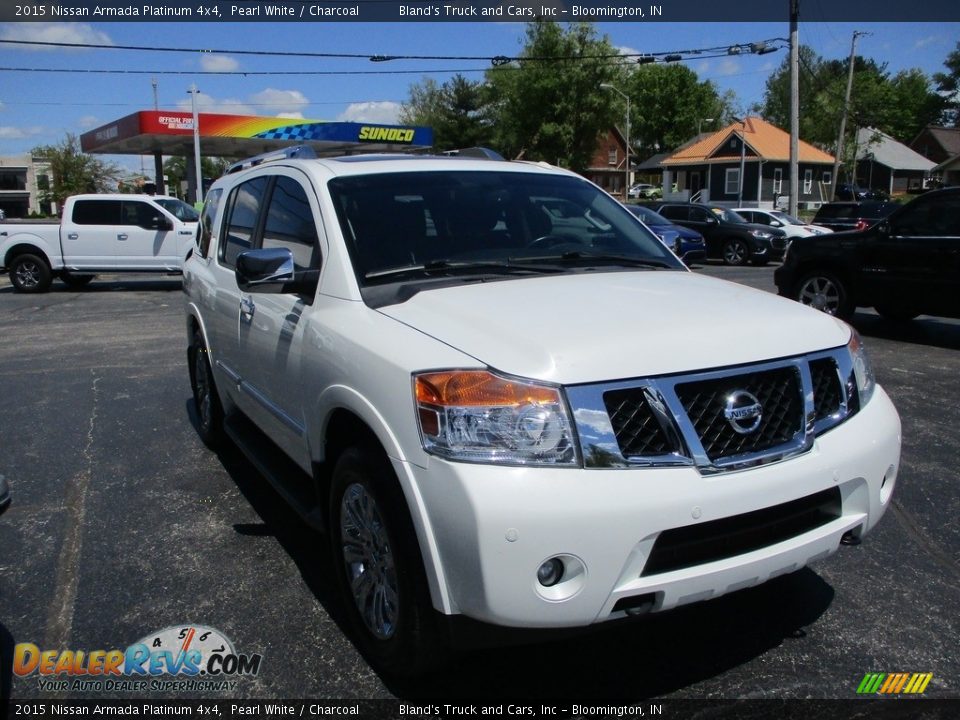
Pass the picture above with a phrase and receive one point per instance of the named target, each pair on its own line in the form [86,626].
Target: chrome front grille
[715,420]
[778,391]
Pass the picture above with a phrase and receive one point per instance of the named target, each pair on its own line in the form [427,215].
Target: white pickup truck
[98,233]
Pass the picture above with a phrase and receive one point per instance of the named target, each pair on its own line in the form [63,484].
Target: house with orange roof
[748,163]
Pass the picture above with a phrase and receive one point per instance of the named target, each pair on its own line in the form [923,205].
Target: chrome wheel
[369,562]
[821,293]
[28,275]
[735,252]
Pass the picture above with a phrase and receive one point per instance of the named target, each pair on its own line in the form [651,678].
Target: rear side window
[674,212]
[97,212]
[211,206]
[245,202]
[290,223]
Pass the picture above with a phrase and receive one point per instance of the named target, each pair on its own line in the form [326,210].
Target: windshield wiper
[601,257]
[445,266]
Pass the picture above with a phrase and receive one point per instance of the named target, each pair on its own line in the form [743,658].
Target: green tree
[548,105]
[948,84]
[669,105]
[175,168]
[74,172]
[899,105]
[457,111]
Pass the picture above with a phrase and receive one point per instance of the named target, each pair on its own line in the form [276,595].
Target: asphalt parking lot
[123,524]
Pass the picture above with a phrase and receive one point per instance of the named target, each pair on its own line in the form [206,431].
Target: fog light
[550,573]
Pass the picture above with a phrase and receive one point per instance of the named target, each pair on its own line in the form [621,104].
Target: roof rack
[287,153]
[475,152]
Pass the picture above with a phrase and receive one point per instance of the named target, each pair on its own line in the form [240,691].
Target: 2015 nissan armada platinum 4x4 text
[506,401]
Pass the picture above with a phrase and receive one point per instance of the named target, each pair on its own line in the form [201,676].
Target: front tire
[824,291]
[379,568]
[735,252]
[75,282]
[30,274]
[206,401]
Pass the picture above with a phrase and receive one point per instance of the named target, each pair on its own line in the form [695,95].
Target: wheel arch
[27,248]
[347,424]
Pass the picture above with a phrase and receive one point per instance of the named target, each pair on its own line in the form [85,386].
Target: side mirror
[712,220]
[267,270]
[159,222]
[776,223]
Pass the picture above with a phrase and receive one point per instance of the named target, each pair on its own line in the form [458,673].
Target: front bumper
[494,526]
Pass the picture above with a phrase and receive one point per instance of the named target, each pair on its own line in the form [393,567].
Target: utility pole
[794,109]
[846,109]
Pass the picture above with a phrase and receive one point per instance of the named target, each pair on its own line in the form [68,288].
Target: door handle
[122,236]
[247,307]
[72,236]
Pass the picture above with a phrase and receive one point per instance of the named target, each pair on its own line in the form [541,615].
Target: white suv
[507,402]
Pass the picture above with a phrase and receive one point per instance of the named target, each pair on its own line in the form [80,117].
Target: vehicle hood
[684,232]
[772,231]
[599,326]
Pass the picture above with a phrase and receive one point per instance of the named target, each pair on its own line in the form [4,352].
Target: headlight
[760,234]
[862,378]
[477,416]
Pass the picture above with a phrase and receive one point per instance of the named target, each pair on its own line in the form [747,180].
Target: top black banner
[635,11]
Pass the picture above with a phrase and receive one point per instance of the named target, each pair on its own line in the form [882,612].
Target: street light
[626,138]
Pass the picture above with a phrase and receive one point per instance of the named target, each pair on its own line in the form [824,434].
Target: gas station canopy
[165,132]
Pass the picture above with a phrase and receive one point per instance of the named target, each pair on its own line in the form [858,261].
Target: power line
[760,47]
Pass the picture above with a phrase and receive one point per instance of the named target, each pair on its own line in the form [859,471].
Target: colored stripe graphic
[894,683]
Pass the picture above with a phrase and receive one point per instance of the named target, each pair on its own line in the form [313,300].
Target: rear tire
[735,252]
[30,274]
[379,568]
[895,314]
[824,291]
[206,401]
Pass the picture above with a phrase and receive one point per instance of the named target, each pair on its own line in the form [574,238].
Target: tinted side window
[245,202]
[139,214]
[699,215]
[96,212]
[930,218]
[674,212]
[209,216]
[290,223]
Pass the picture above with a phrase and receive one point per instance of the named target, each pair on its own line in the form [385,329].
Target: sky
[39,108]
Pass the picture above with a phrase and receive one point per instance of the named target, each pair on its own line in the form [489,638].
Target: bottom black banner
[874,709]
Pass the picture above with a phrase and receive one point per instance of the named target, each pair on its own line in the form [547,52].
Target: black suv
[852,192]
[905,265]
[728,236]
[840,216]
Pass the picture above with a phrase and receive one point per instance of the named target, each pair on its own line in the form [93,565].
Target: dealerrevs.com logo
[178,658]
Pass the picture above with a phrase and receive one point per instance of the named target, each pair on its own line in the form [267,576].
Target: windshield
[789,219]
[178,208]
[647,215]
[402,227]
[727,215]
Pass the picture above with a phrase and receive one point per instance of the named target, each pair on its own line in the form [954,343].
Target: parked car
[689,244]
[728,236]
[643,190]
[4,494]
[510,405]
[905,265]
[791,226]
[98,233]
[842,216]
[854,193]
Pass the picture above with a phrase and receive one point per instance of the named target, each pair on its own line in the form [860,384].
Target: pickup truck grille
[715,420]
